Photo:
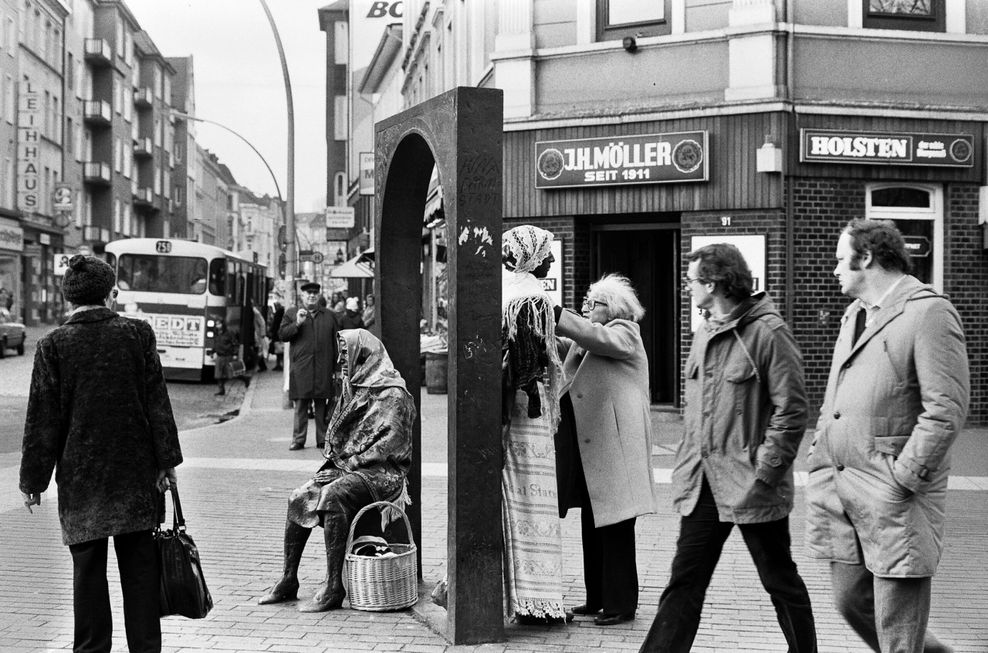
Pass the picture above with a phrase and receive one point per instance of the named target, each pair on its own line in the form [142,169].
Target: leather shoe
[613,619]
[295,446]
[281,592]
[585,610]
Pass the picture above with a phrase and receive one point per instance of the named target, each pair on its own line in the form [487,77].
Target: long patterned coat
[895,402]
[99,414]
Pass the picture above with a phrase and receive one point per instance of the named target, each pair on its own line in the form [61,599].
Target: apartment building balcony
[99,53]
[143,197]
[97,112]
[143,97]
[96,173]
[143,147]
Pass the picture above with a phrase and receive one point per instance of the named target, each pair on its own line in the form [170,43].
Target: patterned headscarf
[529,246]
[367,364]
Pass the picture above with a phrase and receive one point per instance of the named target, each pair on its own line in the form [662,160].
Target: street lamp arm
[186,116]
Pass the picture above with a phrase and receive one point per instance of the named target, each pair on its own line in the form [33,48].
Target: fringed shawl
[528,328]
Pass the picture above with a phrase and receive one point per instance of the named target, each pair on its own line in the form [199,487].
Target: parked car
[12,334]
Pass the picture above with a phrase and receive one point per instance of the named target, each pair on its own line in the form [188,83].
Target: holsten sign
[650,159]
[888,148]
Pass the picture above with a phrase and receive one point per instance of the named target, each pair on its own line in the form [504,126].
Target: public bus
[183,289]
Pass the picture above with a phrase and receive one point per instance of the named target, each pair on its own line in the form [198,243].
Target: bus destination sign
[649,159]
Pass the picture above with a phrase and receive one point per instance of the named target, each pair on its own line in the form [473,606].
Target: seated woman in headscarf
[530,378]
[368,453]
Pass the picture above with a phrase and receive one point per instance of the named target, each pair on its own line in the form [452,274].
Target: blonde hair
[617,292]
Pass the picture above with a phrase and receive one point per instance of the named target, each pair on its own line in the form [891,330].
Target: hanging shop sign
[28,147]
[887,148]
[649,159]
[366,173]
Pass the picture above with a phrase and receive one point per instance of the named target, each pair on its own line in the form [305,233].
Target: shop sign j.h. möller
[612,161]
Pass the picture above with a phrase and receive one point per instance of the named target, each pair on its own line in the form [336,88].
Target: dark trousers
[610,570]
[698,549]
[321,408]
[137,560]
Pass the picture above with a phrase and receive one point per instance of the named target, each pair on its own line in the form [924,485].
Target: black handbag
[183,587]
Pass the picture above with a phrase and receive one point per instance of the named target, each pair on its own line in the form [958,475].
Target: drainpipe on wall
[786,153]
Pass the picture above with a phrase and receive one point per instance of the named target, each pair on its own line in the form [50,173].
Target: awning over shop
[360,266]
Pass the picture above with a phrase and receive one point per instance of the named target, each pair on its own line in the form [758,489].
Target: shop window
[617,19]
[912,15]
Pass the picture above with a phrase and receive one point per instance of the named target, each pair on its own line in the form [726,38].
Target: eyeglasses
[687,280]
[590,304]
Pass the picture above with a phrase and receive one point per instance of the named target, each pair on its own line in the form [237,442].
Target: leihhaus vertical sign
[28,148]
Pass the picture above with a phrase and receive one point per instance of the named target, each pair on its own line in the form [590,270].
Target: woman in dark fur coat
[100,417]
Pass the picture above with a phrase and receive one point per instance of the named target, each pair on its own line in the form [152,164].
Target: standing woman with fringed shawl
[530,379]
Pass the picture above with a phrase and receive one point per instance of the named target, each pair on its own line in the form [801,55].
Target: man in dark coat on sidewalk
[311,330]
[99,415]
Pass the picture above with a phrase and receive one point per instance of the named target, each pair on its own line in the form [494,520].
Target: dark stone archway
[461,132]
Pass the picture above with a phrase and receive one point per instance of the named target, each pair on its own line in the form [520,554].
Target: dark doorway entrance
[648,254]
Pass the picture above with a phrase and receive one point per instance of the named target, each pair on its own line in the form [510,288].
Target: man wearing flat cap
[311,330]
[99,416]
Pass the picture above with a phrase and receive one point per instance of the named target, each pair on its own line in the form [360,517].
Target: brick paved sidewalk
[235,484]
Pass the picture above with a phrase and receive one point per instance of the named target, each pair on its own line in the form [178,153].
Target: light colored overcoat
[607,372]
[894,403]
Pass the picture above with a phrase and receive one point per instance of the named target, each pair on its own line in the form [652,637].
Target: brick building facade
[795,211]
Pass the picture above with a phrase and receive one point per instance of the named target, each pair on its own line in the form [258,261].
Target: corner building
[639,131]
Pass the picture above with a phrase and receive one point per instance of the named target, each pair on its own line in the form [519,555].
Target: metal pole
[291,257]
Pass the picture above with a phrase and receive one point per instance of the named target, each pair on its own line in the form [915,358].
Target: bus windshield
[184,275]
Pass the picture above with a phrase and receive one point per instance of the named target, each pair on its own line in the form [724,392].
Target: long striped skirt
[533,557]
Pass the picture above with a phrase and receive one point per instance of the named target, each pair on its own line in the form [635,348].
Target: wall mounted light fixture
[768,157]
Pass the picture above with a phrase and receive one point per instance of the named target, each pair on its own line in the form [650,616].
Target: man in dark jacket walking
[99,411]
[311,330]
[745,416]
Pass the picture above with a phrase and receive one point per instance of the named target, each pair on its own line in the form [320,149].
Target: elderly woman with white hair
[606,434]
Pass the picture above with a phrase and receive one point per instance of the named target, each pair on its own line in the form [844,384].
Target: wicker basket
[382,584]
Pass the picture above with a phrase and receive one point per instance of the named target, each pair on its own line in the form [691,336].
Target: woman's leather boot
[286,589]
[331,594]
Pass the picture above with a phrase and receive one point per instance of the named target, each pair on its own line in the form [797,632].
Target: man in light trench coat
[896,399]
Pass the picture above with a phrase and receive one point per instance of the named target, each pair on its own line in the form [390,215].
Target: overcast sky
[238,83]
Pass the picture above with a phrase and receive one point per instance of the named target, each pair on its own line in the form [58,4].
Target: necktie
[859,324]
